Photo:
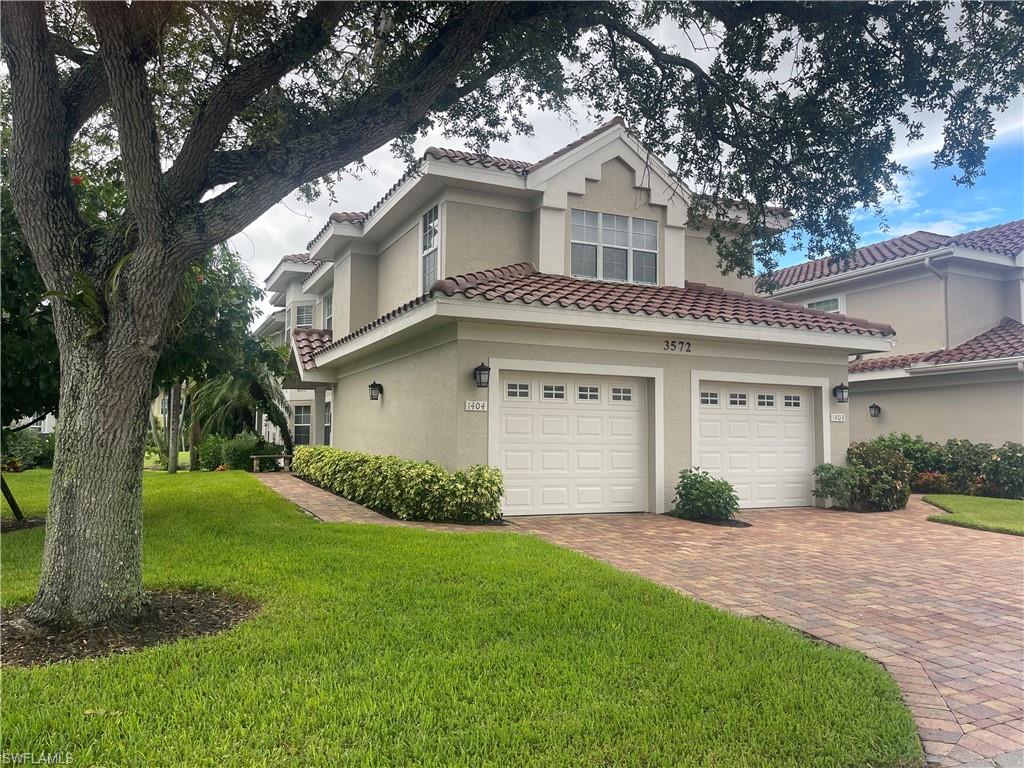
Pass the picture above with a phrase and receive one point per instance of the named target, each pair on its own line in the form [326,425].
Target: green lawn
[999,515]
[152,459]
[383,645]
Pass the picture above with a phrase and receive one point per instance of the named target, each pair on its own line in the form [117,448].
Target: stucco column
[316,420]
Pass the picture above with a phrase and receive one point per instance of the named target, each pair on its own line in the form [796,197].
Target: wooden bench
[285,457]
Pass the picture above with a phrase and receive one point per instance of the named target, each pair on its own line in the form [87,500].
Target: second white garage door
[572,444]
[760,438]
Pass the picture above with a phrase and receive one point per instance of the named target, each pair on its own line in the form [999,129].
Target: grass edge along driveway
[382,645]
[979,512]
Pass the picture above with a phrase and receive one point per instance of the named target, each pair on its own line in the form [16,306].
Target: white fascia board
[345,231]
[887,373]
[288,271]
[924,369]
[320,281]
[274,319]
[485,311]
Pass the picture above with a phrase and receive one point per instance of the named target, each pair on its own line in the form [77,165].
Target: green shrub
[923,455]
[876,478]
[962,462]
[407,490]
[699,496]
[25,449]
[211,452]
[931,482]
[1003,472]
[239,449]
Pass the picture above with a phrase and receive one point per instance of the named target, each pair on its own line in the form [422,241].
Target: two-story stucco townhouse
[955,302]
[584,342]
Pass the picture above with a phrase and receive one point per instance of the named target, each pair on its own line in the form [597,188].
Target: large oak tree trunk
[92,556]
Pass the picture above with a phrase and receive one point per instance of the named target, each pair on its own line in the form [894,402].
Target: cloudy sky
[929,199]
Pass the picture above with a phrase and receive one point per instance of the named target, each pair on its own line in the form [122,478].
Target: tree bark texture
[173,427]
[92,556]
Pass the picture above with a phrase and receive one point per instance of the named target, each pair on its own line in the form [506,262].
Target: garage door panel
[563,455]
[760,439]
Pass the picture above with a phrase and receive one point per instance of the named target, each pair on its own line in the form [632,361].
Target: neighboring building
[299,310]
[955,302]
[586,343]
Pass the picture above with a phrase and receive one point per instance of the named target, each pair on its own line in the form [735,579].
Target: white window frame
[839,298]
[629,247]
[708,394]
[436,249]
[518,397]
[625,394]
[558,394]
[588,399]
[328,310]
[746,400]
[792,401]
[770,400]
[327,423]
[303,306]
[308,423]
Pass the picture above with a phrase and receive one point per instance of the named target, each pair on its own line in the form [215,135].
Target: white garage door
[760,439]
[572,444]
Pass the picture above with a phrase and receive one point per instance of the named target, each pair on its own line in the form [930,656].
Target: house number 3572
[671,345]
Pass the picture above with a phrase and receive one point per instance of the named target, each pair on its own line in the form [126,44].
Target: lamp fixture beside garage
[874,410]
[482,375]
[841,393]
[376,390]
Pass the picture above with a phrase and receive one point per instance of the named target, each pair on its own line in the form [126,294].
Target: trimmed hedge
[407,490]
[876,478]
[236,452]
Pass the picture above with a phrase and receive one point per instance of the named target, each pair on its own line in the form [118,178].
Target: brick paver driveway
[941,607]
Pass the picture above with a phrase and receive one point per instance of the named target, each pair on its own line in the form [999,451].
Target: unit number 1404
[672,345]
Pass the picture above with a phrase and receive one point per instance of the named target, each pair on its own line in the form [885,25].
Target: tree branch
[124,61]
[366,124]
[245,82]
[40,167]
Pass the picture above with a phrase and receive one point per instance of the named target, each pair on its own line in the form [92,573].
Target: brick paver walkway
[941,607]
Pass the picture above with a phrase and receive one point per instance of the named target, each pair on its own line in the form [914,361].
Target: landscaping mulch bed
[171,616]
[11,524]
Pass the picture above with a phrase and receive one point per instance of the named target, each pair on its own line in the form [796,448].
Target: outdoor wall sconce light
[874,410]
[841,393]
[482,375]
[376,390]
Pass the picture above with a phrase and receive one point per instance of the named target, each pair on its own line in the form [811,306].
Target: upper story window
[304,316]
[328,312]
[609,247]
[831,304]
[429,250]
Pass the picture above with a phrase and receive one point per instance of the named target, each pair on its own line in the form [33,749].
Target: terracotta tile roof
[523,283]
[474,158]
[309,342]
[888,362]
[348,216]
[1003,238]
[293,258]
[374,323]
[1003,340]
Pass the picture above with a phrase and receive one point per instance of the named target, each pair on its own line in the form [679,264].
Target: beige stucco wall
[980,407]
[702,266]
[422,414]
[975,305]
[481,236]
[398,270]
[617,193]
[415,418]
[912,307]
